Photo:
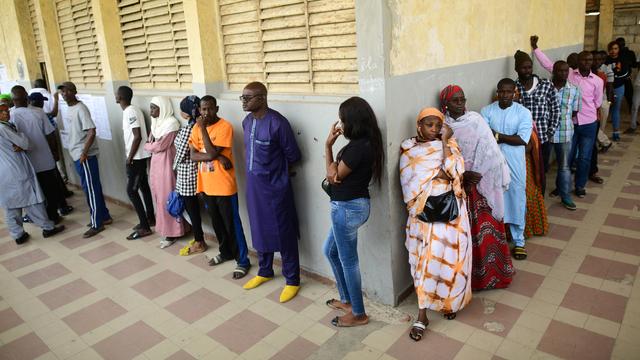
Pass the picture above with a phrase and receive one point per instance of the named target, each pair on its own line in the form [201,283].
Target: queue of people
[471,181]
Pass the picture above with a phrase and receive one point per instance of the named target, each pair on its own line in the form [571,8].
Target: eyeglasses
[248,98]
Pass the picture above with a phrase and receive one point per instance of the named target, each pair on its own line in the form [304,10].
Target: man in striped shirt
[569,98]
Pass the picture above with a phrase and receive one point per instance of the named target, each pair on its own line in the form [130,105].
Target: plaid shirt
[187,170]
[570,101]
[544,107]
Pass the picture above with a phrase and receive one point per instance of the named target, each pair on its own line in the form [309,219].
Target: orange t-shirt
[213,179]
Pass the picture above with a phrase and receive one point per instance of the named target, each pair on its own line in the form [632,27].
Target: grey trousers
[37,213]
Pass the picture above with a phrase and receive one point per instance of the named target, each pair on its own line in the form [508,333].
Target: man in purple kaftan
[271,149]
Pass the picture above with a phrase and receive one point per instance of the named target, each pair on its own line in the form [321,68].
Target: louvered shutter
[242,42]
[291,45]
[155,43]
[79,42]
[36,30]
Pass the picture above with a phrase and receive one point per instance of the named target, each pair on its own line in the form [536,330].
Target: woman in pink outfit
[162,180]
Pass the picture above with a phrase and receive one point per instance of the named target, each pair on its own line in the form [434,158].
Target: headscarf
[191,105]
[446,94]
[430,111]
[483,155]
[165,122]
[521,57]
[5,97]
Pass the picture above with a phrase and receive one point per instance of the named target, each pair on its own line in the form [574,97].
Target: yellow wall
[15,17]
[439,33]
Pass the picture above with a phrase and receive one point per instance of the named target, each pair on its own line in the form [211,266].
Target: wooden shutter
[242,42]
[36,30]
[79,42]
[290,45]
[155,43]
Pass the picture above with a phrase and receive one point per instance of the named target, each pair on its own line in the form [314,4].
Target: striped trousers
[90,178]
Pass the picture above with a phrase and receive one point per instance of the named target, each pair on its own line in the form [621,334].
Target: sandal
[240,271]
[337,323]
[417,330]
[519,253]
[139,233]
[330,303]
[217,260]
[450,316]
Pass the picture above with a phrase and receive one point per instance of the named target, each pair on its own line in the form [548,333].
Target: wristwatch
[497,137]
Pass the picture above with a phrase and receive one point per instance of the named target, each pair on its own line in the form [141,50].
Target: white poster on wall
[98,109]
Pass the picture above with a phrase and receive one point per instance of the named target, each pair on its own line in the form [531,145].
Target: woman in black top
[621,72]
[360,160]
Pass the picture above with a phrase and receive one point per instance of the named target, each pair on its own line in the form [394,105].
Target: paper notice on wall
[98,109]
[100,117]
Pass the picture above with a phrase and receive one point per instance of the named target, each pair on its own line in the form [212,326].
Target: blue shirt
[514,120]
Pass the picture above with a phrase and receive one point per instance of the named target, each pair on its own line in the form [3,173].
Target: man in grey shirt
[83,149]
[41,134]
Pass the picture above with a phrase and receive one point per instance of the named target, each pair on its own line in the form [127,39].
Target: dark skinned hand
[534,41]
[472,177]
[226,163]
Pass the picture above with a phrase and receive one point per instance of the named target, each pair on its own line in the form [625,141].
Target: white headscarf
[482,154]
[165,122]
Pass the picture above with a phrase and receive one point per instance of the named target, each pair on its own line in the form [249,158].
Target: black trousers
[220,209]
[50,186]
[137,181]
[192,205]
[628,92]
[547,148]
[62,188]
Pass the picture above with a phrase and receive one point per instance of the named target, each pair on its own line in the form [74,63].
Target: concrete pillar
[109,35]
[19,54]
[205,46]
[51,43]
[605,23]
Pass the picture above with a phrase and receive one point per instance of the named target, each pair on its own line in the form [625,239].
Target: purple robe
[270,149]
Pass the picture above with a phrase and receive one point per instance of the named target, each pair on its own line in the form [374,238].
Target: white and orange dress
[439,253]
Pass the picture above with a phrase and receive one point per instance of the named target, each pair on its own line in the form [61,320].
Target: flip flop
[336,322]
[330,303]
[519,253]
[138,234]
[240,271]
[419,328]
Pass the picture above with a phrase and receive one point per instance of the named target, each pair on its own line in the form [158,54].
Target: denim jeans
[617,104]
[563,178]
[341,249]
[584,137]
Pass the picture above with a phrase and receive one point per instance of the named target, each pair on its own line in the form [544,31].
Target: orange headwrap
[430,111]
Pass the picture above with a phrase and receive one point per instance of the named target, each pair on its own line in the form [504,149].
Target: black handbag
[440,208]
[326,186]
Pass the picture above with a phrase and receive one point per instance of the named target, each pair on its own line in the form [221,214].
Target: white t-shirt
[132,118]
[48,105]
[79,119]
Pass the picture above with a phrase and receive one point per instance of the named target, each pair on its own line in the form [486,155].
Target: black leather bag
[441,208]
[326,186]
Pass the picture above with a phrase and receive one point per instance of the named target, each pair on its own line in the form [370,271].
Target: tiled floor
[576,297]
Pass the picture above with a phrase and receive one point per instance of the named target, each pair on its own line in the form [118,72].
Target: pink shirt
[591,90]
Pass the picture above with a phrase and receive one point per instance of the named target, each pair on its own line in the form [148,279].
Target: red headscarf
[446,94]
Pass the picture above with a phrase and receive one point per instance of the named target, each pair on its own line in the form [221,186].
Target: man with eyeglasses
[271,150]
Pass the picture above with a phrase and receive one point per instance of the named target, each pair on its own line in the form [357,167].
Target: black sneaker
[554,193]
[26,219]
[23,238]
[630,131]
[55,230]
[92,232]
[581,193]
[65,210]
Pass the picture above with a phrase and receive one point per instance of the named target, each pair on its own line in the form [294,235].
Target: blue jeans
[241,241]
[563,178]
[584,136]
[617,104]
[341,249]
[90,179]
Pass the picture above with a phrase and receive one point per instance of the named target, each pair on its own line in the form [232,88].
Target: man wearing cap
[20,189]
[83,149]
[36,103]
[40,133]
